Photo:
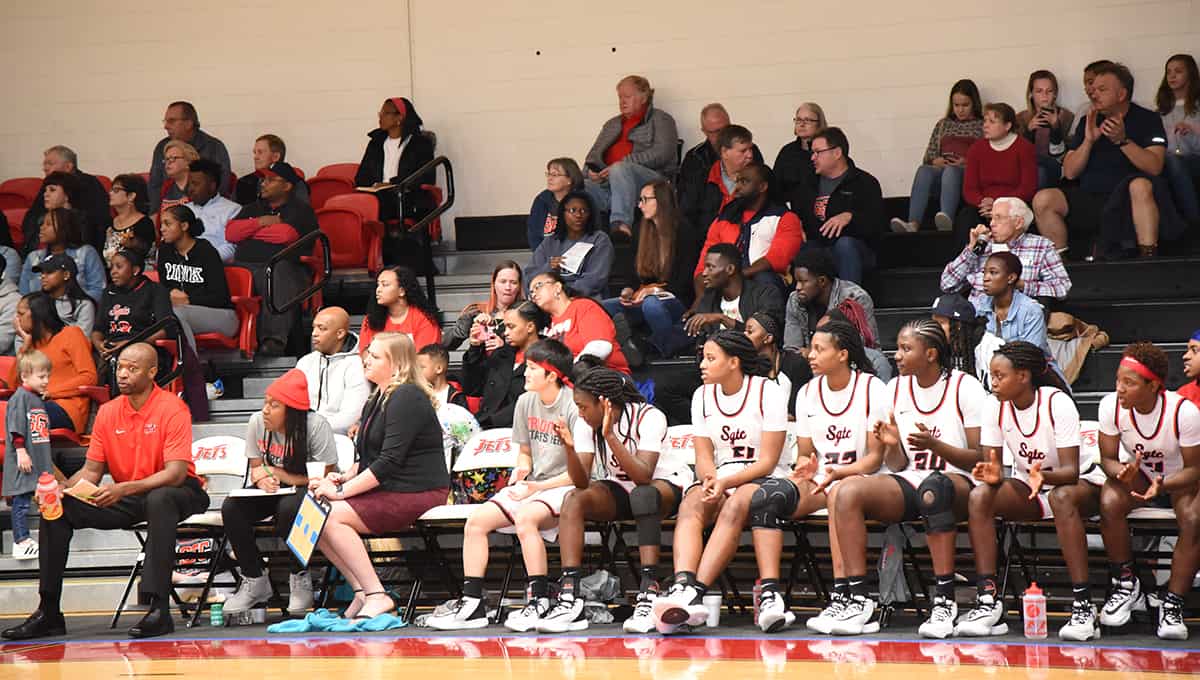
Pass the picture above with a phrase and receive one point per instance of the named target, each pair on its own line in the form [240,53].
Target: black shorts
[621,500]
[912,502]
[1084,209]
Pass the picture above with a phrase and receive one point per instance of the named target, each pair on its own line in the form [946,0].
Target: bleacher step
[477,261]
[79,595]
[84,540]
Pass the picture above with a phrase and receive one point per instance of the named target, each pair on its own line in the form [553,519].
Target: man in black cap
[260,231]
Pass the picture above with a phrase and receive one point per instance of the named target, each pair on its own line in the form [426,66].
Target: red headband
[1141,369]
[545,366]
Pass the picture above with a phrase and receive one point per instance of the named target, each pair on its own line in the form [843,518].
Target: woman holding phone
[1046,124]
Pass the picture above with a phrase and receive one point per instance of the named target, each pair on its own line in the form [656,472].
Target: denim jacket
[92,277]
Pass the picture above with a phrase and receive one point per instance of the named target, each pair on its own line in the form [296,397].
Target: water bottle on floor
[1033,606]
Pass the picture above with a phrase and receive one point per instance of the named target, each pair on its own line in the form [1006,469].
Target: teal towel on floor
[325,621]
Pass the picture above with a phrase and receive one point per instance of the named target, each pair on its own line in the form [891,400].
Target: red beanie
[291,389]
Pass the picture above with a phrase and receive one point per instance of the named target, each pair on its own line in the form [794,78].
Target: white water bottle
[1033,606]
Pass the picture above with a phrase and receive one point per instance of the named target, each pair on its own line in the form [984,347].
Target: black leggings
[241,514]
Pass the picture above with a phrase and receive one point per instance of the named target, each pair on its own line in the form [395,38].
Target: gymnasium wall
[508,84]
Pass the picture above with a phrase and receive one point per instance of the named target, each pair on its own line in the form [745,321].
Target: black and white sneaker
[464,613]
[856,618]
[1170,620]
[986,618]
[528,617]
[823,622]
[941,619]
[1083,625]
[1124,598]
[680,605]
[773,614]
[565,615]
[642,620]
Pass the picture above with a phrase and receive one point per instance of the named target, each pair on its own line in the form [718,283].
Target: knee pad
[935,498]
[646,502]
[773,501]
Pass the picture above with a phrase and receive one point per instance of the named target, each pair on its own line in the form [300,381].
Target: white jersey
[1159,435]
[946,409]
[735,423]
[838,422]
[641,427]
[1033,435]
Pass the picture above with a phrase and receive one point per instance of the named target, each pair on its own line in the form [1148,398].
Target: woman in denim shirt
[1011,314]
[62,232]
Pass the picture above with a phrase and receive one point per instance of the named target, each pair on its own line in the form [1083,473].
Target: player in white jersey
[624,435]
[739,421]
[1161,430]
[1031,413]
[930,443]
[835,416]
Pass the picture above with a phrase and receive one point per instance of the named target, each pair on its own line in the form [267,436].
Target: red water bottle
[49,496]
[1033,605]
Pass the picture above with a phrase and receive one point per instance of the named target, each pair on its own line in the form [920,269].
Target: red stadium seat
[19,192]
[105,182]
[6,369]
[321,189]
[15,217]
[246,304]
[300,172]
[367,207]
[145,177]
[345,171]
[353,241]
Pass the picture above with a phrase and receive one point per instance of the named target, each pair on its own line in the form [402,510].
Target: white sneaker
[565,615]
[856,618]
[681,605]
[823,622]
[526,619]
[985,619]
[464,613]
[941,619]
[300,593]
[900,226]
[1170,621]
[25,550]
[1124,598]
[642,620]
[1082,625]
[252,592]
[943,222]
[773,614]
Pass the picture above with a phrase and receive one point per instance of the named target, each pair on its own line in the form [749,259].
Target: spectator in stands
[735,150]
[86,194]
[27,445]
[664,289]
[182,124]
[398,148]
[818,290]
[213,209]
[563,176]
[59,190]
[1089,77]
[177,165]
[794,171]
[267,150]
[1178,102]
[400,306]
[70,356]
[131,229]
[190,268]
[60,280]
[698,161]
[131,303]
[766,234]
[578,322]
[10,296]
[963,329]
[1003,163]
[1046,125]
[1010,314]
[498,378]
[578,251]
[633,148]
[264,229]
[400,471]
[507,291]
[849,311]
[143,441]
[282,439]
[1117,156]
[1044,274]
[1191,369]
[789,370]
[845,214]
[336,387]
[61,232]
[941,171]
[729,299]
[434,361]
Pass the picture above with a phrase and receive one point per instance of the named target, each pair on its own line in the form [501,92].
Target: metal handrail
[415,179]
[301,247]
[162,379]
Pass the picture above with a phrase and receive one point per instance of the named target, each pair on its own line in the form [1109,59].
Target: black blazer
[417,152]
[496,380]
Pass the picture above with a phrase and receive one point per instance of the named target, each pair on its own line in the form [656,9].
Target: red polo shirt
[136,443]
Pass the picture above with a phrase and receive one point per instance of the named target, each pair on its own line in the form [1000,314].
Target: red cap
[291,389]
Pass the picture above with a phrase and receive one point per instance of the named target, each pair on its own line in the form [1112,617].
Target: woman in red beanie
[281,440]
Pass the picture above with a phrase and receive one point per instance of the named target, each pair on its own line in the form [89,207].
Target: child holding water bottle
[27,441]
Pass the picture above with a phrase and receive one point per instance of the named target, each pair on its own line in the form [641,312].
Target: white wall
[315,72]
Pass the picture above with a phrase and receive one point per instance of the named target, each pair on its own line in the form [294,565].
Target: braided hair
[857,316]
[846,336]
[770,325]
[735,344]
[964,338]
[1026,356]
[930,333]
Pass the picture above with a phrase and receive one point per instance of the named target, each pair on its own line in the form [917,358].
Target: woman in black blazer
[399,134]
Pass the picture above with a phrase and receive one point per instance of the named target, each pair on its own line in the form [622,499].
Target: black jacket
[295,213]
[795,179]
[497,380]
[400,440]
[200,274]
[126,311]
[797,369]
[693,175]
[92,203]
[417,152]
[754,298]
[246,189]
[858,193]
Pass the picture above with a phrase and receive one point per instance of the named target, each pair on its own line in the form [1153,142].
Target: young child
[434,361]
[27,440]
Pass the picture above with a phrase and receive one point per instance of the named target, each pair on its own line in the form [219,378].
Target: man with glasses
[183,123]
[89,197]
[845,215]
[699,160]
[735,150]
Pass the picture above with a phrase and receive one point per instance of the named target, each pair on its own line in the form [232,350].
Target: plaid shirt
[1042,269]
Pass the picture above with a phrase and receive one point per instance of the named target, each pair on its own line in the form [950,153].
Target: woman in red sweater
[580,323]
[1001,164]
[400,306]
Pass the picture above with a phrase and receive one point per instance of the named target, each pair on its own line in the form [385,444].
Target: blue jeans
[1181,172]
[851,256]
[618,196]
[59,420]
[1049,172]
[660,316]
[944,182]
[20,516]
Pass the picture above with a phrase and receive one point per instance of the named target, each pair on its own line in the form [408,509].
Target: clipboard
[307,527]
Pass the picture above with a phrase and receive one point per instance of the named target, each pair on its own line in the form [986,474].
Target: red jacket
[995,174]
[775,233]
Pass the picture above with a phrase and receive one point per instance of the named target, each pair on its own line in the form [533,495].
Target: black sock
[473,586]
[771,584]
[570,581]
[859,587]
[944,586]
[686,578]
[1122,571]
[1082,592]
[649,579]
[841,587]
[539,586]
[50,604]
[986,584]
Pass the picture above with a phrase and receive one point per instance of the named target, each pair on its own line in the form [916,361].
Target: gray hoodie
[337,388]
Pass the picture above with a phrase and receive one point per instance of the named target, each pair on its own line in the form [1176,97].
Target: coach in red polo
[143,440]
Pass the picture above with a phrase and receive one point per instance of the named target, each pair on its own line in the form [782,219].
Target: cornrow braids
[964,337]
[770,324]
[736,344]
[930,333]
[612,385]
[1026,356]
[846,336]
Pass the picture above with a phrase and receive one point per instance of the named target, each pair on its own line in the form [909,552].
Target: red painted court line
[862,652]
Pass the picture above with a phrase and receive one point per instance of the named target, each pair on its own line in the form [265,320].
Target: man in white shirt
[214,210]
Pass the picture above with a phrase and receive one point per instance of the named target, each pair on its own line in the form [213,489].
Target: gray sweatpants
[197,319]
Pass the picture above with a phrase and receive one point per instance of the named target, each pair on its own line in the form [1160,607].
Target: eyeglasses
[647,199]
[115,190]
[818,152]
[168,159]
[537,286]
[810,121]
[555,174]
[576,211]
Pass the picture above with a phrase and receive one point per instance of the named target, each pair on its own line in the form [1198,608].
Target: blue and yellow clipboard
[306,530]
